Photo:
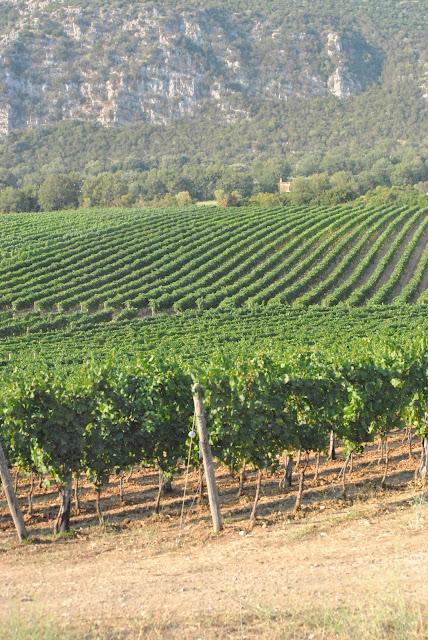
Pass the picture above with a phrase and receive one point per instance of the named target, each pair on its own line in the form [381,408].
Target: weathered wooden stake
[15,510]
[205,449]
[76,494]
[253,516]
[332,447]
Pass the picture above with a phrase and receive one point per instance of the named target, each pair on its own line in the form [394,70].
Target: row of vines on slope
[206,257]
[65,340]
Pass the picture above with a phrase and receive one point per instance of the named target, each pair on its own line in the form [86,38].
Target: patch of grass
[379,615]
[391,619]
[15,628]
[387,620]
[297,531]
[301,531]
[419,512]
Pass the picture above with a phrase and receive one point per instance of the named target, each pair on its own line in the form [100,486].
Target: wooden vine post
[15,510]
[205,449]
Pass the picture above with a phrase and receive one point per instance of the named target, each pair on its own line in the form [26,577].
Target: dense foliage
[62,341]
[104,417]
[340,175]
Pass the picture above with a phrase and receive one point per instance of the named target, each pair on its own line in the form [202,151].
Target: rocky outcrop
[118,64]
[342,83]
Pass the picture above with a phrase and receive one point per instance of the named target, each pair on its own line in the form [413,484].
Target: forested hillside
[144,84]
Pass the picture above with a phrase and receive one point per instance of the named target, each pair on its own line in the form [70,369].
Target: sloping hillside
[172,260]
[254,78]
[161,61]
[144,61]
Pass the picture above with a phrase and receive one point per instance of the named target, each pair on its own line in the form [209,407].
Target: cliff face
[117,64]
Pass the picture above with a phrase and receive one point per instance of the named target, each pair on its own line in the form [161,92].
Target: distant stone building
[284,186]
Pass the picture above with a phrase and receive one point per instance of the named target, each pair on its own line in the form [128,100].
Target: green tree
[60,191]
[266,174]
[267,199]
[7,179]
[409,172]
[236,179]
[307,190]
[15,200]
[104,190]
[227,199]
[184,199]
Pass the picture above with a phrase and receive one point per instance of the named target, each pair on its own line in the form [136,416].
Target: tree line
[326,179]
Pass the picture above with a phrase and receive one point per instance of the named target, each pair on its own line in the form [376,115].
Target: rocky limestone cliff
[121,64]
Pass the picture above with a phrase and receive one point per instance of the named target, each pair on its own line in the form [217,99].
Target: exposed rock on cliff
[118,64]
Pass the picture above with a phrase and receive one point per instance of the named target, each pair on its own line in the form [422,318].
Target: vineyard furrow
[286,289]
[86,258]
[364,277]
[121,263]
[164,267]
[401,274]
[348,261]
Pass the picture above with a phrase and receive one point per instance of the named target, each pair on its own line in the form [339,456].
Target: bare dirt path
[360,571]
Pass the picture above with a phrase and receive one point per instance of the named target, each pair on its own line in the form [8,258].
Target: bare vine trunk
[160,491]
[317,467]
[98,505]
[201,484]
[30,495]
[62,524]
[381,449]
[16,481]
[289,471]
[121,487]
[423,465]
[242,478]
[76,494]
[287,478]
[299,496]
[343,474]
[167,484]
[410,441]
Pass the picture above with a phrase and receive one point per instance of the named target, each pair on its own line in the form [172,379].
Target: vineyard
[195,336]
[298,323]
[207,258]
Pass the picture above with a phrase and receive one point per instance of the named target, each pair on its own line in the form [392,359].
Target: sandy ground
[344,569]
